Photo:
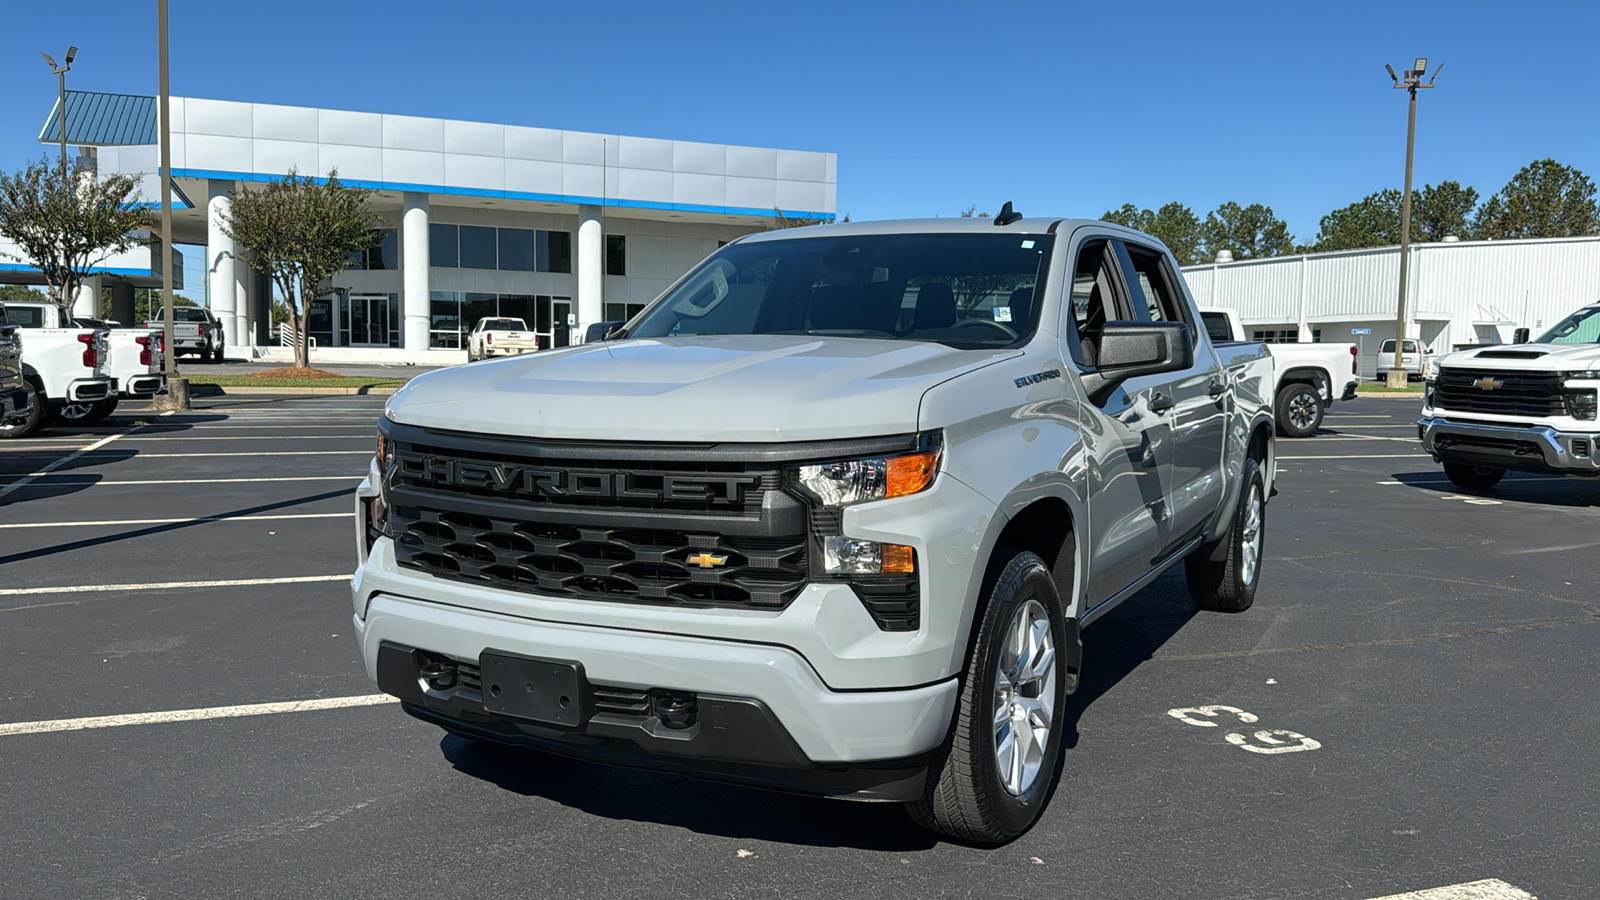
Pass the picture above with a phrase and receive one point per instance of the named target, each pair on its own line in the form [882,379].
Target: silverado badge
[1488,383]
[706,560]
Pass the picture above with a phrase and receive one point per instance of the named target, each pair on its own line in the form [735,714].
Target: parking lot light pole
[61,82]
[1412,83]
[177,396]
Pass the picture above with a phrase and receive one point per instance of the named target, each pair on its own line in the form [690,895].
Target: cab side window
[1162,299]
[1094,300]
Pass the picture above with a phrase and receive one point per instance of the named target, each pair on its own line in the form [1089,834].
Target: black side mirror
[1520,336]
[1130,349]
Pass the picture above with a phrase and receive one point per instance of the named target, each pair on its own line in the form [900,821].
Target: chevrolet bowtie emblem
[706,560]
[1487,383]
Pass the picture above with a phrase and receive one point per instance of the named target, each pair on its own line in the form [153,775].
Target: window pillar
[224,289]
[414,261]
[591,268]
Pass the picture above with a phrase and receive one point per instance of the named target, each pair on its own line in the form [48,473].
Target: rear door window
[1155,294]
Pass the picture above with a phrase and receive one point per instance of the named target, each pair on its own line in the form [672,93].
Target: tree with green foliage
[1374,220]
[1545,199]
[1173,224]
[17,293]
[1249,232]
[64,223]
[302,232]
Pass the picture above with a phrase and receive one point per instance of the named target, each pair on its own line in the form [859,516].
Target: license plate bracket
[547,691]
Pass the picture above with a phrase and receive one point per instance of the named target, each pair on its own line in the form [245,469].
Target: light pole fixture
[60,71]
[1411,83]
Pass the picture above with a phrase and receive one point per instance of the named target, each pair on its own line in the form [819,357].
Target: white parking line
[193,715]
[167,585]
[342,515]
[59,463]
[1488,889]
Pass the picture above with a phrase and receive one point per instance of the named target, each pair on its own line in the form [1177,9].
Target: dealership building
[559,228]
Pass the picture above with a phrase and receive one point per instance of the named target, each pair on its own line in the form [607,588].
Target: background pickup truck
[500,337]
[1309,377]
[1528,407]
[60,364]
[829,516]
[14,398]
[134,363]
[1416,358]
[196,330]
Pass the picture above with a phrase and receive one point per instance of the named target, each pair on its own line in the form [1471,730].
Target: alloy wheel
[1025,697]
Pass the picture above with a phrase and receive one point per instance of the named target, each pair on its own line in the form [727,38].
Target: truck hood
[1526,357]
[757,388]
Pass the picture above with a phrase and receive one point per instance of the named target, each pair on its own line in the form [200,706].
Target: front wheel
[76,413]
[1299,410]
[1229,584]
[992,777]
[34,420]
[1473,478]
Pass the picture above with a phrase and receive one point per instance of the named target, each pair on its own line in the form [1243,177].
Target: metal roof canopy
[103,120]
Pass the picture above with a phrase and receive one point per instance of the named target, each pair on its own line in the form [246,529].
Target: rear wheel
[990,780]
[1299,410]
[216,355]
[76,413]
[37,417]
[1229,584]
[1473,478]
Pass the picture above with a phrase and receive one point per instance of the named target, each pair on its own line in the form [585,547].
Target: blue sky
[1063,108]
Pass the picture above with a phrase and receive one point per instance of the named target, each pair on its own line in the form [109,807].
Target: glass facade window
[622,312]
[616,254]
[475,307]
[444,320]
[555,251]
[516,250]
[369,320]
[319,321]
[443,250]
[518,306]
[386,255]
[452,315]
[478,247]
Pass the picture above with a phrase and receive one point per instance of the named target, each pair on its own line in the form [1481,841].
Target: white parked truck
[195,329]
[1524,407]
[61,364]
[500,337]
[135,363]
[1416,358]
[828,516]
[1309,377]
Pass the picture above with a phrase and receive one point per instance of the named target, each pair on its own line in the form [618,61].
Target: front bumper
[88,390]
[1539,448]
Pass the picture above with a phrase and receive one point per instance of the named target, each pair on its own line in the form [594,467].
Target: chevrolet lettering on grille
[539,482]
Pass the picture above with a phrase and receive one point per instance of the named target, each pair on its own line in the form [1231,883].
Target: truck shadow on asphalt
[1116,646]
[1516,487]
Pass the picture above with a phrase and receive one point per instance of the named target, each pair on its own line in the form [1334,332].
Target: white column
[87,301]
[414,259]
[244,295]
[591,272]
[224,291]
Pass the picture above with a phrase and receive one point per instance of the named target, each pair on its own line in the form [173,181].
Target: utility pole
[1412,83]
[177,396]
[61,81]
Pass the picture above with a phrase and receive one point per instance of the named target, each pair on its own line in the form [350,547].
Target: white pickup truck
[1309,376]
[500,337]
[60,364]
[135,366]
[195,329]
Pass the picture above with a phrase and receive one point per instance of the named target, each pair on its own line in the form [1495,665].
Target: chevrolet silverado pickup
[133,363]
[1309,376]
[1527,407]
[15,399]
[195,329]
[828,516]
[500,337]
[61,364]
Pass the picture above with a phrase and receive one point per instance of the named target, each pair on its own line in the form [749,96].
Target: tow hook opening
[676,711]
[437,673]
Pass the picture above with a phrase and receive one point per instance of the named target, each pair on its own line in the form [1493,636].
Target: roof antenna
[1007,215]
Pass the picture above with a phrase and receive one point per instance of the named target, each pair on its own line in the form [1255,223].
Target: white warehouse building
[1461,293]
[560,228]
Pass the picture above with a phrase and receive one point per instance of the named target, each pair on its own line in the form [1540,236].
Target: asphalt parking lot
[1419,663]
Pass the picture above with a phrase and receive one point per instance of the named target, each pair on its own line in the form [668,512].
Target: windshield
[964,290]
[1582,327]
[503,325]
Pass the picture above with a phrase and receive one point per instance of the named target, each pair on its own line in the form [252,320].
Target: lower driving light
[849,556]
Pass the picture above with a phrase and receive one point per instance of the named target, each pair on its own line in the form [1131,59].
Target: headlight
[1585,375]
[1581,405]
[378,521]
[843,482]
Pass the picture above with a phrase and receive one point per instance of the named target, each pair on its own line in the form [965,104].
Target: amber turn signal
[910,474]
[898,559]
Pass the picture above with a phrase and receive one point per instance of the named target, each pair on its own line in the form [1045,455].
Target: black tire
[216,355]
[1298,410]
[966,795]
[1229,584]
[1473,478]
[38,414]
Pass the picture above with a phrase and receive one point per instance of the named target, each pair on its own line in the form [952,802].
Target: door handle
[1160,403]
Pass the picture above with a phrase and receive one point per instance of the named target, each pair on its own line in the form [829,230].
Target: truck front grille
[1517,394]
[636,564]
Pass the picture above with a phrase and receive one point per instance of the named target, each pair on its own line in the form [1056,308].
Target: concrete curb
[212,390]
[1416,394]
